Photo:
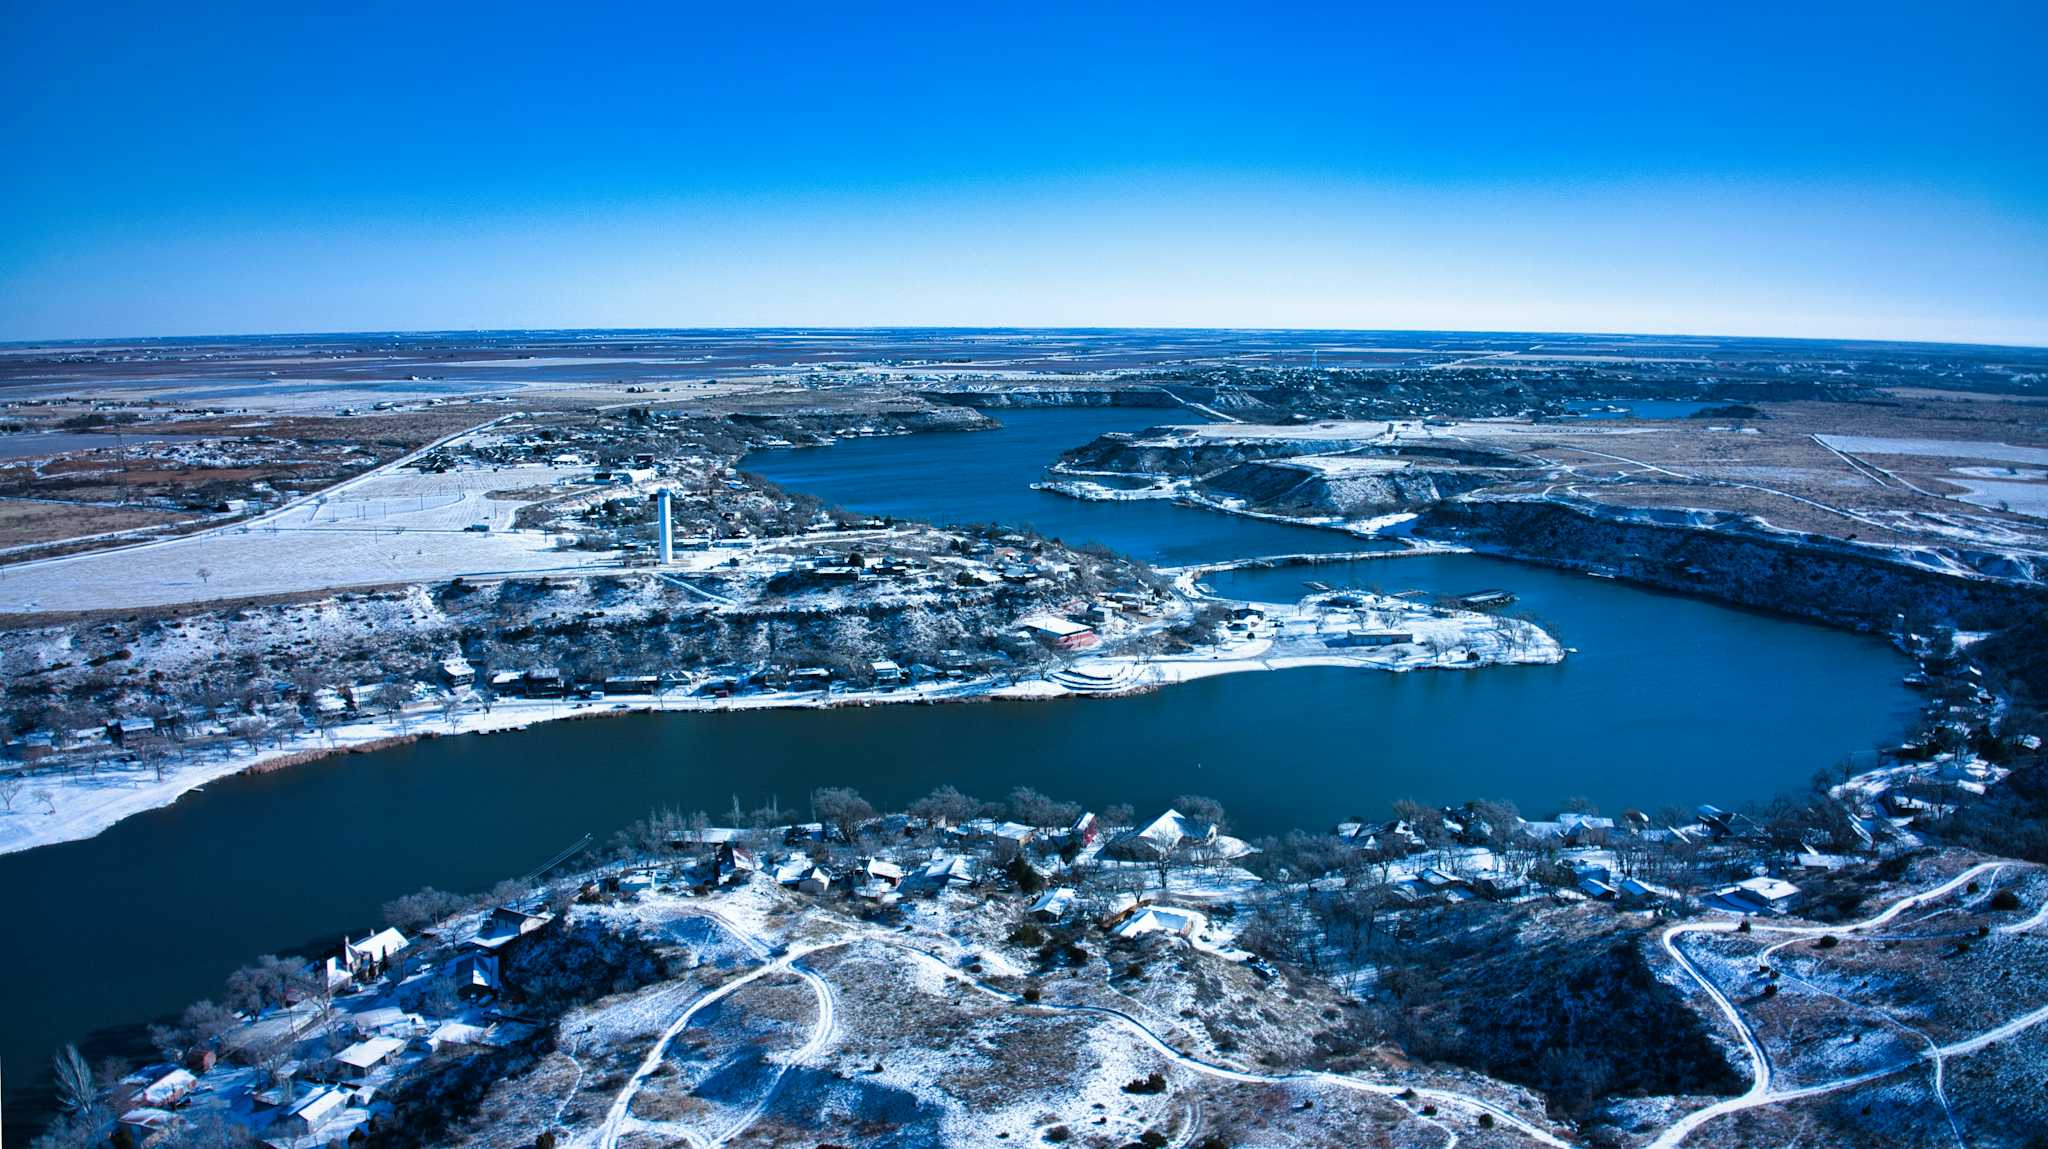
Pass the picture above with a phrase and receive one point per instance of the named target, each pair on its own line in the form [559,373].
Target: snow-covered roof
[316,1106]
[1053,625]
[169,1087]
[1769,889]
[1168,830]
[1160,919]
[366,1054]
[1054,902]
[378,946]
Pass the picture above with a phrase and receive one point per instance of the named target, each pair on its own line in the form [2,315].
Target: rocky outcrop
[998,399]
[1727,557]
[1298,488]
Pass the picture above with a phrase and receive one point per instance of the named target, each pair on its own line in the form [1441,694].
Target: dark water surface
[1668,699]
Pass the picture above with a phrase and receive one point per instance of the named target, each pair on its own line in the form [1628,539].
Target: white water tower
[668,550]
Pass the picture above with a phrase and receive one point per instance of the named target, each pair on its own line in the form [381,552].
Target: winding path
[1760,1091]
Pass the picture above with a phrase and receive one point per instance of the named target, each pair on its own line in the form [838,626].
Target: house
[817,881]
[1580,828]
[1762,895]
[1636,892]
[810,678]
[1165,834]
[1500,887]
[1057,632]
[545,682]
[316,1108]
[372,952]
[734,864]
[476,974]
[167,1091]
[457,670]
[887,673]
[881,871]
[632,684]
[1361,637]
[505,926]
[1596,889]
[133,728]
[147,1125]
[455,1033]
[1583,870]
[947,870]
[1084,831]
[876,890]
[1053,904]
[358,1060]
[792,870]
[1159,919]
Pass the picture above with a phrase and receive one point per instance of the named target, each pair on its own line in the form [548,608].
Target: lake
[1667,700]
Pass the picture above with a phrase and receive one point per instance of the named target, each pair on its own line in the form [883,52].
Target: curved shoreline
[109,794]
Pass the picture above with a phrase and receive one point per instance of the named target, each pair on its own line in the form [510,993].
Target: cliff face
[1294,488]
[1185,458]
[1831,581]
[1054,397]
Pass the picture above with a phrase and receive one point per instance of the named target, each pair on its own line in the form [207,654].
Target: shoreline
[89,804]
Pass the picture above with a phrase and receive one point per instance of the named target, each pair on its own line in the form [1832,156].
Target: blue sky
[1868,170]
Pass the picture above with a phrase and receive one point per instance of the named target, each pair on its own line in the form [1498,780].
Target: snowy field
[389,527]
[1939,448]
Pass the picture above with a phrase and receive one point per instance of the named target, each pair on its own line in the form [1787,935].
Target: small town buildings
[817,881]
[1059,633]
[312,1110]
[146,1125]
[1165,834]
[1159,919]
[1362,637]
[1053,904]
[168,1090]
[545,682]
[946,869]
[506,925]
[887,673]
[1762,895]
[733,864]
[131,729]
[457,670]
[358,1060]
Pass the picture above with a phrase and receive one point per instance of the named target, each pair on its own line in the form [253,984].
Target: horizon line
[808,327]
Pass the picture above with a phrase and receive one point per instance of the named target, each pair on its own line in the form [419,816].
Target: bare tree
[842,809]
[77,1093]
[945,806]
[10,789]
[47,800]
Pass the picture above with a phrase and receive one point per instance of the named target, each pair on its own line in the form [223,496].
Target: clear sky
[1852,170]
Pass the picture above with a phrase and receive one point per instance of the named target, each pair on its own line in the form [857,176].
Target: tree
[392,698]
[1203,809]
[944,806]
[842,809]
[1035,809]
[10,789]
[77,1094]
[205,576]
[47,800]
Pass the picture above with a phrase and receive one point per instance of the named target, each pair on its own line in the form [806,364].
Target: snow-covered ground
[392,527]
[82,804]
